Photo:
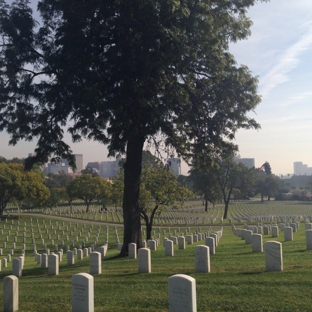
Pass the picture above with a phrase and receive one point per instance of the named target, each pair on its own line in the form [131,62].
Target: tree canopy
[123,73]
[159,191]
[205,184]
[88,188]
[25,188]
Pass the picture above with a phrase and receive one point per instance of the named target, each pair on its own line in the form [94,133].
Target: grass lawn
[237,281]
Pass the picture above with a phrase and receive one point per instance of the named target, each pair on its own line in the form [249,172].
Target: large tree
[122,73]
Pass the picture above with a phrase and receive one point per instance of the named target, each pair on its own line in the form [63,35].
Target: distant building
[56,168]
[110,168]
[298,170]
[94,165]
[174,165]
[78,160]
[63,166]
[248,162]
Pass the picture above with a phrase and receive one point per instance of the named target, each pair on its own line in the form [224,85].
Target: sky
[279,53]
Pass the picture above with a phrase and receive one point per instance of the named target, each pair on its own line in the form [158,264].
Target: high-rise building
[174,165]
[248,162]
[298,166]
[78,160]
[94,165]
[110,168]
[56,168]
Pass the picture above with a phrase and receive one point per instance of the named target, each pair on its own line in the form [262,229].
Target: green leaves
[119,70]
[88,188]
[26,188]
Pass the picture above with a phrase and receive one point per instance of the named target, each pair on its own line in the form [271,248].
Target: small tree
[232,177]
[88,188]
[205,184]
[159,190]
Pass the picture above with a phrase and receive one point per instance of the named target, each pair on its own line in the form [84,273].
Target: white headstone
[10,293]
[17,267]
[79,254]
[44,260]
[182,293]
[273,256]
[132,251]
[209,241]
[189,239]
[144,260]
[215,236]
[169,251]
[53,267]
[248,237]
[308,226]
[256,243]
[95,263]
[152,245]
[288,234]
[181,242]
[275,231]
[309,239]
[85,252]
[82,293]
[202,259]
[70,257]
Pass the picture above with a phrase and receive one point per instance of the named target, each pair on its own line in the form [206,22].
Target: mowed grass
[237,281]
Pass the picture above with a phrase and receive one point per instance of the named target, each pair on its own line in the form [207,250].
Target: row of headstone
[181,293]
[249,235]
[56,247]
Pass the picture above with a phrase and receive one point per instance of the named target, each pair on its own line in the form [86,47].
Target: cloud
[288,61]
[296,99]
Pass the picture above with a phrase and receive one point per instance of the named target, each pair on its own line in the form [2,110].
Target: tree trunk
[226,202]
[131,211]
[148,230]
[206,204]
[226,208]
[149,224]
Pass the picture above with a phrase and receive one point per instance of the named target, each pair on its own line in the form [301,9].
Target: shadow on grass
[114,257]
[251,273]
[305,203]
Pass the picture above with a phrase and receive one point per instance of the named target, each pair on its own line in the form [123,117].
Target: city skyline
[278,52]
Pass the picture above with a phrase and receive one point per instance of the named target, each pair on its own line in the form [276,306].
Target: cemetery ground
[237,281]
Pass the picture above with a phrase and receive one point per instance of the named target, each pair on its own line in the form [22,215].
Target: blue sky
[279,53]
